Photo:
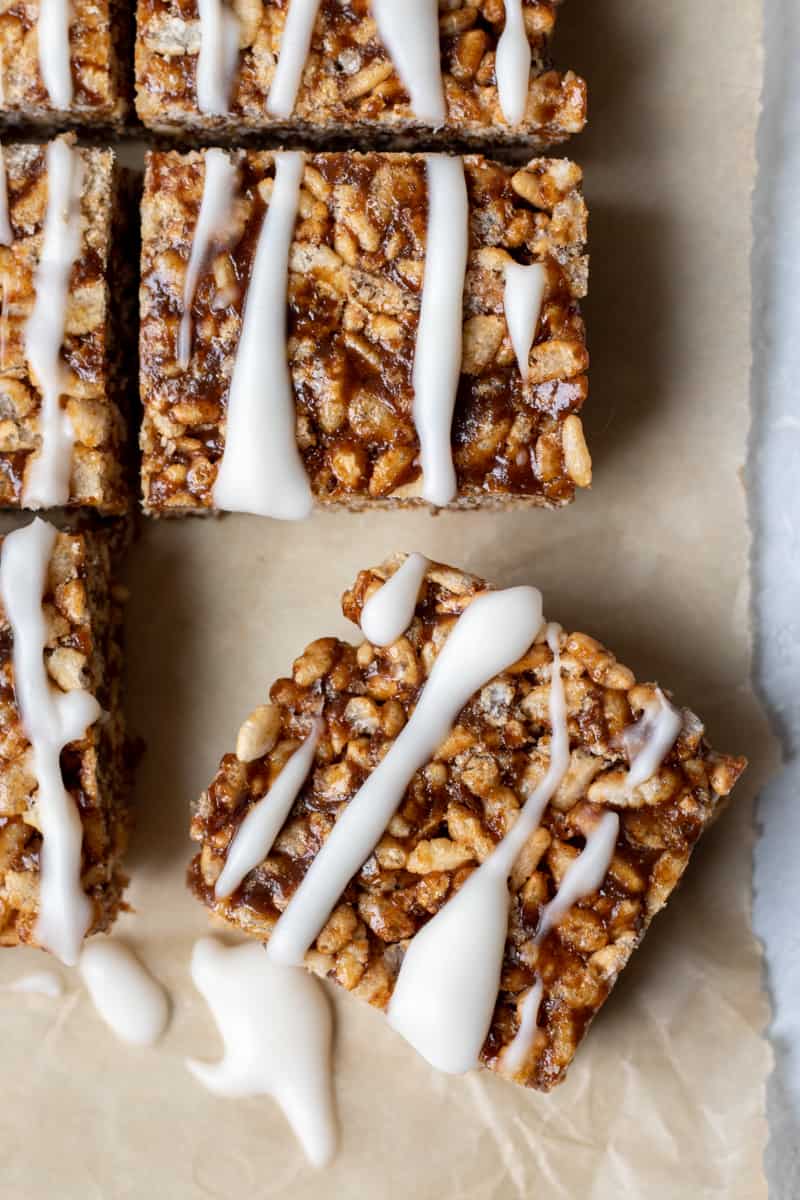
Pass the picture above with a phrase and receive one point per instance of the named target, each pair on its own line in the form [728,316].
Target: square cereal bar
[66,272]
[470,759]
[62,735]
[66,64]
[461,71]
[391,365]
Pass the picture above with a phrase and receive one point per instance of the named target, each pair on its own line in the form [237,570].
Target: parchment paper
[666,1097]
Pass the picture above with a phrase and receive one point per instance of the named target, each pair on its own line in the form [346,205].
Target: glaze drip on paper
[255,836]
[51,720]
[47,477]
[38,983]
[388,612]
[262,471]
[494,631]
[277,1030]
[127,997]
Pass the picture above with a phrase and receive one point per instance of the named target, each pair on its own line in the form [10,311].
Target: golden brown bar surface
[458,807]
[350,89]
[97,373]
[100,37]
[355,282]
[83,610]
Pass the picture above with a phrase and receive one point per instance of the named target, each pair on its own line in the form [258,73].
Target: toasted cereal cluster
[95,376]
[356,273]
[459,806]
[349,84]
[83,611]
[100,34]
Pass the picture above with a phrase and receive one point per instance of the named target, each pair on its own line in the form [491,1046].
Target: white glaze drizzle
[446,992]
[3,319]
[292,56]
[516,1053]
[51,720]
[219,182]
[523,295]
[39,983]
[218,57]
[6,233]
[410,33]
[127,997]
[584,875]
[6,238]
[513,64]
[649,741]
[389,611]
[261,470]
[52,32]
[256,835]
[494,631]
[47,477]
[277,1028]
[438,352]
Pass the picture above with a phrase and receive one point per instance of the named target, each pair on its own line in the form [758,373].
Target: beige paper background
[666,1098]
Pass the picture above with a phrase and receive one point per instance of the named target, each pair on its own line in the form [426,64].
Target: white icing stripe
[524,292]
[513,64]
[494,631]
[51,720]
[219,182]
[261,470]
[277,1028]
[3,319]
[410,33]
[389,611]
[127,997]
[52,32]
[447,988]
[47,478]
[584,875]
[654,736]
[255,836]
[218,57]
[295,44]
[40,983]
[516,1053]
[438,353]
[6,233]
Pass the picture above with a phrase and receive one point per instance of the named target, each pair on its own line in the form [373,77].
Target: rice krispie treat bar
[64,761]
[67,296]
[438,70]
[469,820]
[360,330]
[65,64]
